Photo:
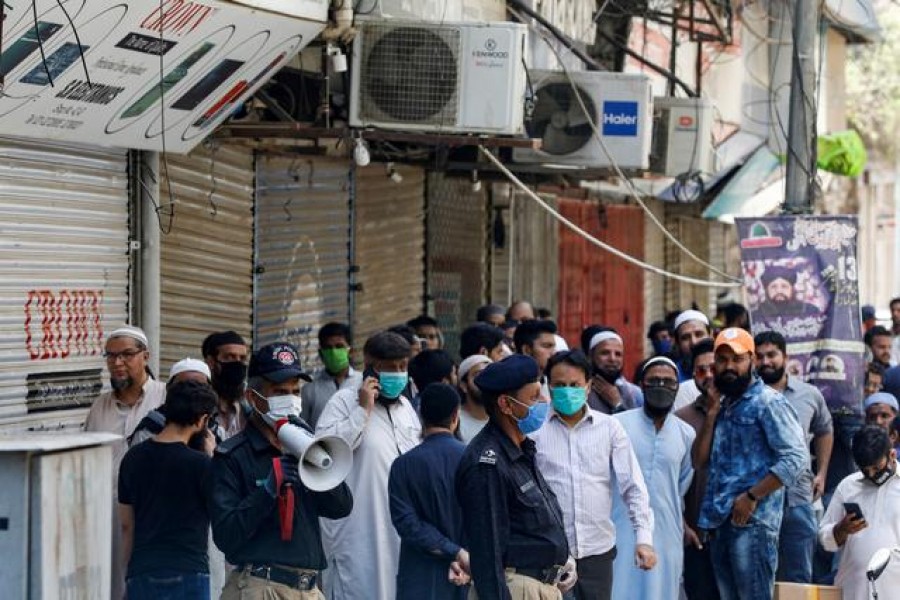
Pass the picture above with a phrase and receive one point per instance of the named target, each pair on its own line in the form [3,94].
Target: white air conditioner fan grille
[410,74]
[559,120]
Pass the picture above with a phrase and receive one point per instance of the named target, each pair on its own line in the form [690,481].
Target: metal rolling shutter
[389,249]
[207,258]
[303,250]
[457,228]
[64,265]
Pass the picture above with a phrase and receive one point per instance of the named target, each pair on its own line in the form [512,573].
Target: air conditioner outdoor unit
[447,77]
[619,104]
[682,136]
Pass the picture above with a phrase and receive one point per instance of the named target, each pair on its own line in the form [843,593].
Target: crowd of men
[520,469]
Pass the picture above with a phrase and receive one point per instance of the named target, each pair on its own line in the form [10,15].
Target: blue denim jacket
[755,434]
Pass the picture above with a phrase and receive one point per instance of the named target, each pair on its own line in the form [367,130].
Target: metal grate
[410,74]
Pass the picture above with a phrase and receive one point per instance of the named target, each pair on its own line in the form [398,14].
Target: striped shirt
[581,464]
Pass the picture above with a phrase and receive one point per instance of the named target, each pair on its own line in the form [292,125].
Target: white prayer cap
[690,315]
[603,336]
[130,331]
[561,345]
[187,365]
[471,361]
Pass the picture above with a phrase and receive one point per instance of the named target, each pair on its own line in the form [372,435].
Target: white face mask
[282,407]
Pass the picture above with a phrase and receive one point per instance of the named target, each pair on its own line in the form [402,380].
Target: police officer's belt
[549,575]
[301,579]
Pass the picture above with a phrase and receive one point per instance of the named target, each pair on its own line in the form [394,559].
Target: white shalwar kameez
[880,507]
[363,549]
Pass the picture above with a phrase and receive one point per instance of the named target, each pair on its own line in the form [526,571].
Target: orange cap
[737,339]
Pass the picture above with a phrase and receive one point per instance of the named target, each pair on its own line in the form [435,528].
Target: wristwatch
[750,495]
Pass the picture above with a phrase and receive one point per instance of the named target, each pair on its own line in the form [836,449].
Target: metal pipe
[151,278]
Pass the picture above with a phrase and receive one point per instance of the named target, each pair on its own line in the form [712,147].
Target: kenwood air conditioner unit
[682,136]
[463,77]
[619,104]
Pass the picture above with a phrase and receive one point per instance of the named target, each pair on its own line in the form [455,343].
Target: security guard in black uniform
[263,518]
[513,523]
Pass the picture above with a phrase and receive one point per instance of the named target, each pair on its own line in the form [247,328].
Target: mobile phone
[207,84]
[168,82]
[852,508]
[23,47]
[56,64]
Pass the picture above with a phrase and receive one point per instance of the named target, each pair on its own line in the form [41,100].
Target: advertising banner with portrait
[801,277]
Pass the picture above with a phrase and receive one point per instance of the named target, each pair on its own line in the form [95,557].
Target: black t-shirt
[164,484]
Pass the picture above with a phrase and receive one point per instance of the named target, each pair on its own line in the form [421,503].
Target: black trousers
[699,579]
[595,576]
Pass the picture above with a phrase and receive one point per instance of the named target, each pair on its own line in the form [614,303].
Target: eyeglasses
[662,382]
[704,368]
[126,355]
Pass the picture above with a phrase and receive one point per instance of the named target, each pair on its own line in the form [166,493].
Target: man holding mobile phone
[864,515]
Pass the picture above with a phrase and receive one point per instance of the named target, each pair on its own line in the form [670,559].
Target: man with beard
[610,391]
[878,339]
[134,394]
[781,301]
[380,424]
[754,447]
[225,352]
[797,539]
[472,415]
[662,443]
[335,346]
[690,327]
[699,580]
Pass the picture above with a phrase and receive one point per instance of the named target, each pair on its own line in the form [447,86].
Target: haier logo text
[620,118]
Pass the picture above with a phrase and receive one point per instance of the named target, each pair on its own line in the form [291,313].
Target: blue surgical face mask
[568,400]
[534,420]
[392,384]
[662,346]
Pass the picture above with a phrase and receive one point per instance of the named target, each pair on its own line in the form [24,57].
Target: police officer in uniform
[517,543]
[263,518]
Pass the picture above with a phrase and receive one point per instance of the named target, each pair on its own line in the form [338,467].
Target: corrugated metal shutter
[64,264]
[303,250]
[501,195]
[694,233]
[654,285]
[389,248]
[457,227]
[535,252]
[207,258]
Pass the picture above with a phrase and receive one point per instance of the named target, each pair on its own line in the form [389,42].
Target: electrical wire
[37,34]
[77,41]
[635,193]
[167,229]
[597,242]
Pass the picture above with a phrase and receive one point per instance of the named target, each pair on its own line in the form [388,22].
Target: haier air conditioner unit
[619,104]
[682,136]
[441,77]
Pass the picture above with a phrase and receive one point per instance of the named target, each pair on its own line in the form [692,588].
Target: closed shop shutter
[457,227]
[499,244]
[303,250]
[207,257]
[596,287]
[694,233]
[389,249]
[532,237]
[654,285]
[64,270]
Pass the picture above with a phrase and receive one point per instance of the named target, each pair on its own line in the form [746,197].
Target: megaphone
[324,461]
[878,563]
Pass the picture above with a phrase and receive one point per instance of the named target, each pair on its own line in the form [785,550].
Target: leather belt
[547,575]
[299,579]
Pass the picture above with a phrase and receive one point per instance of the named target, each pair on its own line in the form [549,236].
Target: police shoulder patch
[488,457]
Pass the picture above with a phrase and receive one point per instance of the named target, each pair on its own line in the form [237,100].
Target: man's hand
[569,577]
[645,556]
[462,558]
[456,575]
[606,391]
[713,399]
[368,391]
[742,510]
[691,538]
[847,527]
[818,486]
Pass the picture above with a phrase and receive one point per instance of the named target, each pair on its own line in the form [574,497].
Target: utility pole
[801,143]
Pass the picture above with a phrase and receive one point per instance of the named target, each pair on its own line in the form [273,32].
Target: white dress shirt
[580,464]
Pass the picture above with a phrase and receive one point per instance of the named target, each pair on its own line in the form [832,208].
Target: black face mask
[658,400]
[770,375]
[610,376]
[731,384]
[229,380]
[882,476]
